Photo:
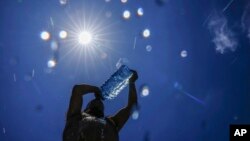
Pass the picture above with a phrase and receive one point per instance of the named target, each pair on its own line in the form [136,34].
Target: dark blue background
[34,108]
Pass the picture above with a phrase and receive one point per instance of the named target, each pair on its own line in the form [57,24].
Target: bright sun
[84,38]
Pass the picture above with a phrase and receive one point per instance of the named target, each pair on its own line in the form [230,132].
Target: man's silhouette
[91,124]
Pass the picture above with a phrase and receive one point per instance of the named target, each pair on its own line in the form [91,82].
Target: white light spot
[145,91]
[184,54]
[148,48]
[63,34]
[146,33]
[135,115]
[84,38]
[124,1]
[51,63]
[54,45]
[126,14]
[63,2]
[107,0]
[4,131]
[140,12]
[45,35]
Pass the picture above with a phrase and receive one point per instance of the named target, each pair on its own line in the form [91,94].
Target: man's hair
[95,108]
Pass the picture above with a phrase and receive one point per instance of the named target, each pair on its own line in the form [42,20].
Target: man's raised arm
[76,100]
[122,116]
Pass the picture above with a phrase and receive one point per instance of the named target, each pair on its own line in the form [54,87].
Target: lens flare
[89,35]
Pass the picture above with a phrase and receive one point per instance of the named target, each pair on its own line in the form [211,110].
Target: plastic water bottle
[116,83]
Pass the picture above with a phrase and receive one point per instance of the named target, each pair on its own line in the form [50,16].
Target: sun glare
[84,38]
[89,35]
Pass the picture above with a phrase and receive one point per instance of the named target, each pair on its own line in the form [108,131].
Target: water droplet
[51,63]
[63,34]
[145,91]
[124,1]
[140,12]
[135,115]
[14,77]
[184,53]
[63,2]
[149,48]
[126,14]
[4,131]
[146,33]
[45,35]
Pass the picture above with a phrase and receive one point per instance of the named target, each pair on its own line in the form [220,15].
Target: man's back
[91,125]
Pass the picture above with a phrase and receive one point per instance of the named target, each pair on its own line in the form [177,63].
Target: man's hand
[134,77]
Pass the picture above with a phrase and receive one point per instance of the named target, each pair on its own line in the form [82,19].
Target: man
[91,125]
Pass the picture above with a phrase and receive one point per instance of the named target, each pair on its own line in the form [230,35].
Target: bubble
[63,34]
[140,12]
[146,33]
[145,91]
[54,45]
[51,63]
[184,53]
[45,35]
[126,14]
[148,48]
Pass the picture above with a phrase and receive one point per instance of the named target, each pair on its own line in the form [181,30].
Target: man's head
[95,108]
